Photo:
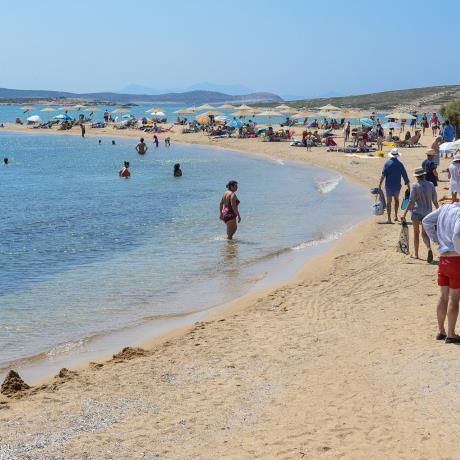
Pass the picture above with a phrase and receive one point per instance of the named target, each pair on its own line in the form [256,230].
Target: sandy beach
[340,362]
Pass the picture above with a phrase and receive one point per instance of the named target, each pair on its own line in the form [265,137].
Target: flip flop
[455,340]
[429,259]
[441,336]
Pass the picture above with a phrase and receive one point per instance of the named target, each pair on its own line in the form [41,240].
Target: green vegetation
[432,96]
[451,112]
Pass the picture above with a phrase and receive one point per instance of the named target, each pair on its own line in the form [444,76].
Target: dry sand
[340,362]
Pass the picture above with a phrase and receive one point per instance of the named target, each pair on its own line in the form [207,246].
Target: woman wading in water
[229,208]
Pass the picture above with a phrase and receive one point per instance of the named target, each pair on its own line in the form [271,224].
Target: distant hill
[416,98]
[203,86]
[189,97]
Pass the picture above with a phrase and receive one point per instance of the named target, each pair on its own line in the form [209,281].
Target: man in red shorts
[443,227]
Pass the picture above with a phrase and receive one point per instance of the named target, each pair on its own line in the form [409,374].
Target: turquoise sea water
[85,253]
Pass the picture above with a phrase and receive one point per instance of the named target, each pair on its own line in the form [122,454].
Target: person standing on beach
[448,132]
[422,196]
[393,171]
[454,176]
[429,167]
[434,123]
[141,148]
[83,130]
[228,209]
[443,227]
[435,146]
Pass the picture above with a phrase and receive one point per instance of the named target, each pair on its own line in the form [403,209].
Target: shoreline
[41,368]
[325,365]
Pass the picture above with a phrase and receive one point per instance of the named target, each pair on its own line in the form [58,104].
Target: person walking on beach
[443,227]
[429,167]
[83,130]
[393,171]
[448,132]
[124,172]
[454,176]
[228,209]
[141,148]
[434,123]
[422,197]
[435,146]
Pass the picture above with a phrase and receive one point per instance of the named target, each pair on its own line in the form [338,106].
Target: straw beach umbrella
[205,107]
[92,109]
[48,109]
[79,106]
[120,111]
[226,106]
[245,107]
[184,111]
[212,113]
[329,107]
[400,116]
[283,107]
[243,113]
[154,109]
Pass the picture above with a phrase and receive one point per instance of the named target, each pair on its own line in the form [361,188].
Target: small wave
[65,348]
[281,162]
[328,185]
[315,242]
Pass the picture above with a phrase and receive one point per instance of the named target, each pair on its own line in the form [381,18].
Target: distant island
[190,97]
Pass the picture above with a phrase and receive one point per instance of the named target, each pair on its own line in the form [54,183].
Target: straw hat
[431,152]
[394,152]
[419,172]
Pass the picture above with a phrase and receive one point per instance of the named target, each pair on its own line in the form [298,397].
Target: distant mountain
[189,97]
[204,86]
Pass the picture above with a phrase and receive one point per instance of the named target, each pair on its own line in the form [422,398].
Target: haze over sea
[85,253]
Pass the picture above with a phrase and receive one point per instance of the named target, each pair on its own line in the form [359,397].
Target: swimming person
[99,141]
[141,148]
[5,161]
[155,140]
[228,208]
[177,171]
[113,142]
[167,142]
[124,172]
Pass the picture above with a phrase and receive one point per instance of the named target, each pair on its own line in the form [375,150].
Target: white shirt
[443,227]
[454,171]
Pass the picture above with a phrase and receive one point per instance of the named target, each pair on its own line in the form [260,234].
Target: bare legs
[441,310]
[396,206]
[416,225]
[232,227]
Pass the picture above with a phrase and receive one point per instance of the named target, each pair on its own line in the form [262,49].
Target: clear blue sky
[290,47]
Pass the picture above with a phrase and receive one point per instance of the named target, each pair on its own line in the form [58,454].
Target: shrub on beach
[451,112]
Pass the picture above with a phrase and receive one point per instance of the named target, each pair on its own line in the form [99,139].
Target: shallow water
[85,253]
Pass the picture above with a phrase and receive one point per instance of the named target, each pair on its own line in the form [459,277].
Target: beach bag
[378,206]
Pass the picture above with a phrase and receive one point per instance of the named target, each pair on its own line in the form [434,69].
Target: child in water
[177,171]
[124,172]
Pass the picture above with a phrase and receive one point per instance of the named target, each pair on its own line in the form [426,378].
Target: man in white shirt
[443,227]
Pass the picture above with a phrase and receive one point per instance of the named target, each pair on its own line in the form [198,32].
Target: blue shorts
[392,192]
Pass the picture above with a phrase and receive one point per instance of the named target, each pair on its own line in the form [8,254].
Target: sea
[90,262]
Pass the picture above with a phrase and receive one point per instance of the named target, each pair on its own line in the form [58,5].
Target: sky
[306,48]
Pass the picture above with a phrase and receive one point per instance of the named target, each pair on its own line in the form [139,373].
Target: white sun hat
[394,152]
[456,157]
